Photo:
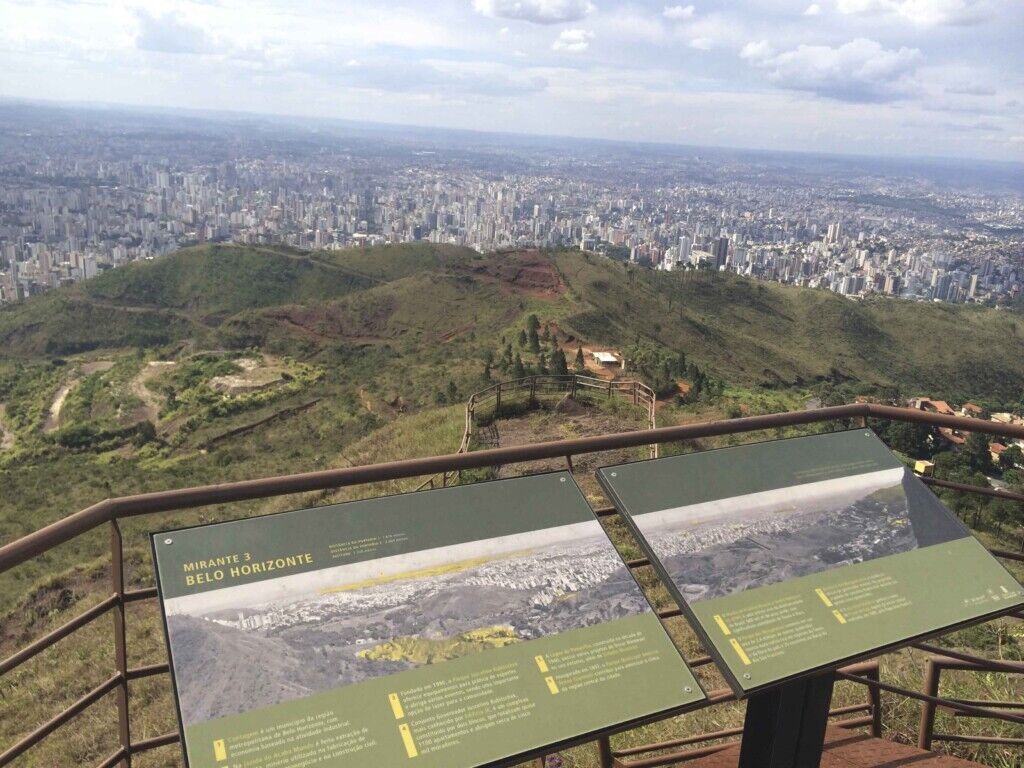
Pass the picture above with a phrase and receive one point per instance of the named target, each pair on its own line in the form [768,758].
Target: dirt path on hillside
[569,421]
[6,435]
[151,402]
[52,422]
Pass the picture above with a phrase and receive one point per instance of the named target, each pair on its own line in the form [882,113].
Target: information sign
[798,555]
[467,626]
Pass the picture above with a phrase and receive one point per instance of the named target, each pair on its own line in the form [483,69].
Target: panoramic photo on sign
[796,555]
[463,626]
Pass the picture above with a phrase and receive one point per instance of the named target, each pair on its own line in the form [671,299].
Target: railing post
[572,394]
[931,688]
[497,400]
[609,389]
[120,645]
[875,697]
[533,390]
[604,752]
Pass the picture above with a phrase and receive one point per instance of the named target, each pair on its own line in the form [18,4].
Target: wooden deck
[852,749]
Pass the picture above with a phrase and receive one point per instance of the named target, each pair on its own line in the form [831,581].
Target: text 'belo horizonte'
[208,571]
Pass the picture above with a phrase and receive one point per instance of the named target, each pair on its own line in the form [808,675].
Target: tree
[452,392]
[518,370]
[559,365]
[534,341]
[977,453]
[532,323]
[542,364]
[579,364]
[522,338]
[909,439]
[1011,457]
[487,371]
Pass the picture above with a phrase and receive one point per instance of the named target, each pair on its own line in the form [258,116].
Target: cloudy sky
[933,77]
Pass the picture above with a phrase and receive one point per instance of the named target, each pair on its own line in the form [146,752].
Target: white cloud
[678,12]
[573,41]
[535,11]
[169,33]
[702,43]
[813,10]
[861,70]
[922,13]
[757,51]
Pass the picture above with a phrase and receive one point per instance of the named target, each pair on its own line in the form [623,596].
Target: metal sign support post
[785,726]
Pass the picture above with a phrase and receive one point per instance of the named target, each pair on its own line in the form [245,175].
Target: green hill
[414,296]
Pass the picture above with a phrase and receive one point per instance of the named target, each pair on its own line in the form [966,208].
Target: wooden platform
[852,749]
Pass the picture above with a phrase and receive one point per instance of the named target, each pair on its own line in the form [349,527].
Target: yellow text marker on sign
[410,745]
[220,751]
[839,617]
[824,598]
[541,664]
[552,685]
[740,652]
[396,706]
[722,625]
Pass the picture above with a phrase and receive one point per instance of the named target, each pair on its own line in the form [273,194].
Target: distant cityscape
[85,192]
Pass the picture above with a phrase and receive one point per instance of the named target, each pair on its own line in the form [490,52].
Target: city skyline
[905,77]
[83,191]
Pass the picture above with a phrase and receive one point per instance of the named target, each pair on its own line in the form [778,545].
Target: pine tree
[559,367]
[534,341]
[518,371]
[579,364]
[542,364]
[522,338]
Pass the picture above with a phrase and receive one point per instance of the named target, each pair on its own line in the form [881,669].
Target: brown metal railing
[537,386]
[111,511]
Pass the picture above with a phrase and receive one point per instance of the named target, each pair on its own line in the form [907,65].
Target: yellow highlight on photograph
[552,685]
[722,625]
[541,664]
[740,652]
[220,750]
[410,745]
[839,617]
[824,598]
[396,706]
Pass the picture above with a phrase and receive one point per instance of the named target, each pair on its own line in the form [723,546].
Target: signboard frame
[699,694]
[817,671]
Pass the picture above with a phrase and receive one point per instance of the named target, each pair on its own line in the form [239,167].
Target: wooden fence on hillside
[530,389]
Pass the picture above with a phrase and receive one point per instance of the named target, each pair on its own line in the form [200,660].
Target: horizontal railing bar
[850,708]
[976,739]
[963,423]
[944,703]
[987,665]
[1007,555]
[64,530]
[51,725]
[56,635]
[135,595]
[980,489]
[855,722]
[680,742]
[155,742]
[674,757]
[149,670]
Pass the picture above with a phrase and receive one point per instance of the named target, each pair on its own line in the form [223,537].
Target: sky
[904,77]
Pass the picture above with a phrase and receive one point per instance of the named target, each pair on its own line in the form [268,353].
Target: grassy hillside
[760,333]
[749,332]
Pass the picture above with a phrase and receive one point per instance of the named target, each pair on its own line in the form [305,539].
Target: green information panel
[799,555]
[467,626]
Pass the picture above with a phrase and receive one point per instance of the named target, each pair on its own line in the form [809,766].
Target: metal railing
[111,511]
[535,387]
